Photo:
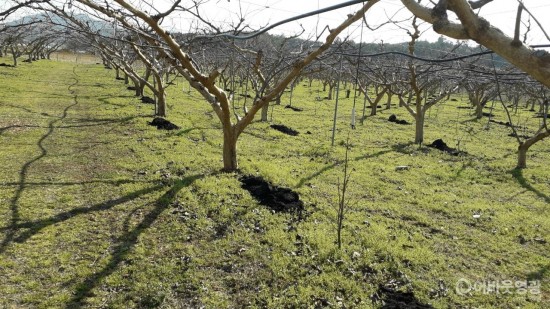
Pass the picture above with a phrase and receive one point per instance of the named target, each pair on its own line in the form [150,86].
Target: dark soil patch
[119,78]
[394,119]
[376,106]
[246,95]
[284,129]
[276,198]
[539,115]
[439,144]
[454,100]
[131,88]
[464,107]
[147,100]
[296,109]
[163,124]
[487,114]
[5,65]
[391,298]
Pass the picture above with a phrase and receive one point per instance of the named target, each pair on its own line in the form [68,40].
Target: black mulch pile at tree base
[276,198]
[163,124]
[394,119]
[131,88]
[147,100]
[119,78]
[391,298]
[296,109]
[284,129]
[439,144]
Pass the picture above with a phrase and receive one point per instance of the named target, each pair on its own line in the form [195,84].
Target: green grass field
[100,210]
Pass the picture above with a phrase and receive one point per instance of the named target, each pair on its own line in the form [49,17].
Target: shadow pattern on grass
[4,129]
[539,274]
[518,175]
[126,242]
[22,183]
[36,226]
[335,164]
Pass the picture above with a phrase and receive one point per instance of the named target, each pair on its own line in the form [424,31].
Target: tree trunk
[330,90]
[373,109]
[161,103]
[364,109]
[278,99]
[145,78]
[479,110]
[388,102]
[522,155]
[523,147]
[229,150]
[419,134]
[126,79]
[14,55]
[265,112]
[139,90]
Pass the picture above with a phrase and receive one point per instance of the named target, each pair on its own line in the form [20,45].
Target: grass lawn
[100,210]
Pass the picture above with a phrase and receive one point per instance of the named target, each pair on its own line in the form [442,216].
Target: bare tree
[480,91]
[424,88]
[205,82]
[471,26]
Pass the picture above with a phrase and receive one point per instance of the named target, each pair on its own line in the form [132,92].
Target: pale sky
[500,13]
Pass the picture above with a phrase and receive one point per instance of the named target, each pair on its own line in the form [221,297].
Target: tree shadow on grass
[474,119]
[105,100]
[403,147]
[126,242]
[91,122]
[75,183]
[86,123]
[517,173]
[34,227]
[15,126]
[539,274]
[333,165]
[22,183]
